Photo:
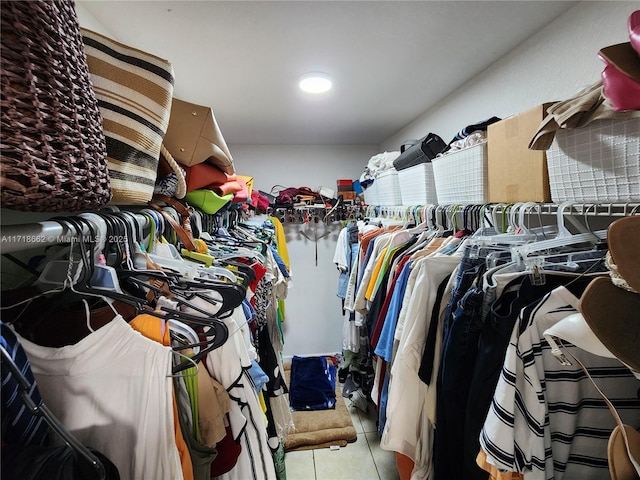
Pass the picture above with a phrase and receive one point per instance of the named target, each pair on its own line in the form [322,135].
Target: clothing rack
[19,237]
[317,213]
[403,213]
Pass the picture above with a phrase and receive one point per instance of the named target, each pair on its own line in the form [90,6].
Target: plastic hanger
[230,295]
[564,238]
[180,330]
[218,332]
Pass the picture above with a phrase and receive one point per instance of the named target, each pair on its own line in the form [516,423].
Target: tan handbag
[194,137]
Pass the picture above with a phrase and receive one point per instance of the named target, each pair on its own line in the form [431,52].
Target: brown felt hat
[624,58]
[612,312]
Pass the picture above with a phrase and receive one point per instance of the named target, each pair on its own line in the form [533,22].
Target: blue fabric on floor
[313,384]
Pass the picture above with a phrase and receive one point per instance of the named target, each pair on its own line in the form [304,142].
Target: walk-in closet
[320,240]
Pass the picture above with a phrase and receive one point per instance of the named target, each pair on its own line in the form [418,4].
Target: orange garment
[494,473]
[151,327]
[405,466]
[366,238]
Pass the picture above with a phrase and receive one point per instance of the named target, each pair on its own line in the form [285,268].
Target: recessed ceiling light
[315,83]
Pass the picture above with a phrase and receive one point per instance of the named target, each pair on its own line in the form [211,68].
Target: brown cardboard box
[348,195]
[517,174]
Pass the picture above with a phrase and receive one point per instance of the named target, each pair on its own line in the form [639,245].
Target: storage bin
[462,176]
[596,163]
[371,194]
[418,185]
[388,188]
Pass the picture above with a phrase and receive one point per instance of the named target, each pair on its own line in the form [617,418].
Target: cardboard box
[348,195]
[517,174]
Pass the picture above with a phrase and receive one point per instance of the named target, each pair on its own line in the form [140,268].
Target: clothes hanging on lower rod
[105,351]
[454,330]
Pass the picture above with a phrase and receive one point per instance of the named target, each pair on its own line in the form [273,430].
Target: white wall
[300,165]
[313,323]
[87,20]
[551,65]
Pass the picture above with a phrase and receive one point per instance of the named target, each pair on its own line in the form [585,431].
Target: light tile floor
[360,460]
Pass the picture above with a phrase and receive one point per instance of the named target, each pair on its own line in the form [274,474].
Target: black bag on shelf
[415,152]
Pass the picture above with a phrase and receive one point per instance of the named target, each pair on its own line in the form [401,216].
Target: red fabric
[228,453]
[260,272]
[377,330]
[259,201]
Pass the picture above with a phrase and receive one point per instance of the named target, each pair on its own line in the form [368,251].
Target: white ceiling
[390,60]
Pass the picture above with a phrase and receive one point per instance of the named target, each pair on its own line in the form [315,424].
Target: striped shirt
[547,420]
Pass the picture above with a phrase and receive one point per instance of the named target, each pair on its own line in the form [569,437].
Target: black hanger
[83,285]
[218,332]
[245,270]
[232,294]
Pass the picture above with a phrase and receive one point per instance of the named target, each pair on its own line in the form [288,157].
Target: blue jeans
[468,271]
[459,352]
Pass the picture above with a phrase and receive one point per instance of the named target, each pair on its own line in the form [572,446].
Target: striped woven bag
[134,91]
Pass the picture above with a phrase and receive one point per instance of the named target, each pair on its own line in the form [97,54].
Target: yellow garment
[151,327]
[494,473]
[281,242]
[263,406]
[374,274]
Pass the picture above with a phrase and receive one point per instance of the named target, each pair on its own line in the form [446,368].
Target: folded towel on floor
[313,384]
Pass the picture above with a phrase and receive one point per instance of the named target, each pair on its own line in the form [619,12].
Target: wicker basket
[53,155]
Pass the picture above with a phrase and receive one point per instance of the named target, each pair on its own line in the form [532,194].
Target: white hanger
[563,238]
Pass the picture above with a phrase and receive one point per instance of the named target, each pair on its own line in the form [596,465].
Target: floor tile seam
[373,457]
[313,456]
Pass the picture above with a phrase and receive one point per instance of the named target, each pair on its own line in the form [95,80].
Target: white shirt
[408,429]
[113,391]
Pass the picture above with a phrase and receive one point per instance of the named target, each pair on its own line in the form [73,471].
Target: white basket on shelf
[388,188]
[599,162]
[418,185]
[462,176]
[371,194]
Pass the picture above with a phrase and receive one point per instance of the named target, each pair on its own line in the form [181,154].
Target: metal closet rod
[577,208]
[16,238]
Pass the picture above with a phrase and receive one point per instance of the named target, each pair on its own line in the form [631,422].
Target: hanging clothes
[106,366]
[465,384]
